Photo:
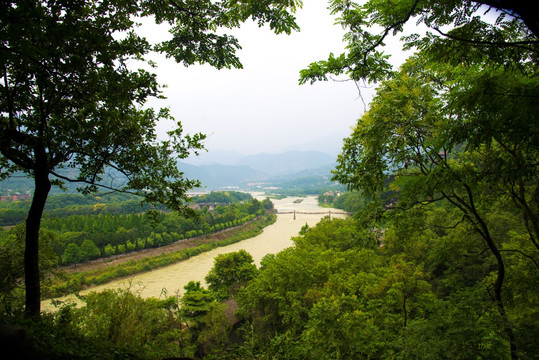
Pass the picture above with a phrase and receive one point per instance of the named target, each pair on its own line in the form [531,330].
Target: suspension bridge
[328,212]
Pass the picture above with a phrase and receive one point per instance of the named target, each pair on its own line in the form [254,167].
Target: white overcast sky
[262,108]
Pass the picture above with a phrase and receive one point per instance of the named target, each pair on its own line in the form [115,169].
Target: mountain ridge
[288,162]
[263,168]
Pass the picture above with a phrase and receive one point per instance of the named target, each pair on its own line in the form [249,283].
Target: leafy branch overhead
[194,24]
[493,29]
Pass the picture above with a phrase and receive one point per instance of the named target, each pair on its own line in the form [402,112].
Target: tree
[255,207]
[436,150]
[268,205]
[230,272]
[458,123]
[72,254]
[205,318]
[121,316]
[12,264]
[89,250]
[109,250]
[196,302]
[215,327]
[73,110]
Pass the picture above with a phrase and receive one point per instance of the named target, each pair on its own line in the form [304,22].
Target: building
[15,197]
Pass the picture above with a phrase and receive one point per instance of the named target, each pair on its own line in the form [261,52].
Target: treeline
[63,205]
[352,201]
[222,197]
[86,237]
[65,284]
[301,191]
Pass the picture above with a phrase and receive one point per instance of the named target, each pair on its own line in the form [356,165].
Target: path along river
[173,278]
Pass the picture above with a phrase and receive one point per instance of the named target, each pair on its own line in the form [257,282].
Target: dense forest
[350,201]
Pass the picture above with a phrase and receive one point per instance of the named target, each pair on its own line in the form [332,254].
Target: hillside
[289,162]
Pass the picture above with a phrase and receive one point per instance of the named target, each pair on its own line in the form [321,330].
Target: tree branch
[84,181]
[523,254]
[388,29]
[517,44]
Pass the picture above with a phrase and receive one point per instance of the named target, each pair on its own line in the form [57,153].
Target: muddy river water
[171,279]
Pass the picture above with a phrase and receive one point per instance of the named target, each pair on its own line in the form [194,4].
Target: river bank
[102,272]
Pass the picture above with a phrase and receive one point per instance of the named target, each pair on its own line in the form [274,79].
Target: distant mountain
[221,157]
[330,144]
[220,176]
[322,171]
[289,162]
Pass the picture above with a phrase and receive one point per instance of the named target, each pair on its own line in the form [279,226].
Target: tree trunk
[31,252]
[499,301]
[498,284]
[481,227]
[404,322]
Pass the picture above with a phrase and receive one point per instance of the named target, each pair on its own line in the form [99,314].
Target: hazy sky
[262,108]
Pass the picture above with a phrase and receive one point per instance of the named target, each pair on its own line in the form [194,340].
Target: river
[172,278]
